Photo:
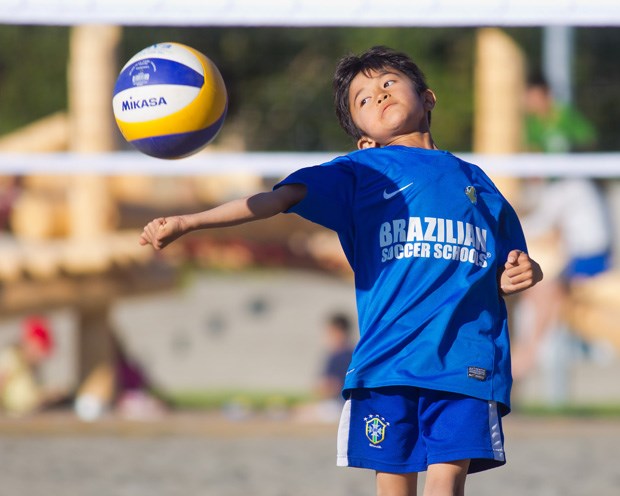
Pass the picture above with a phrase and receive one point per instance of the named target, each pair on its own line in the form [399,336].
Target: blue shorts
[586,266]
[405,429]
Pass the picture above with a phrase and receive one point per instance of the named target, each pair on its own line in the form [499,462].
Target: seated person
[20,392]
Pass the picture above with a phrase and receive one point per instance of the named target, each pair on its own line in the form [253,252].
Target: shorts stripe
[495,429]
[344,428]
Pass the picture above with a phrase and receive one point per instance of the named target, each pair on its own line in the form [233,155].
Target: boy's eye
[364,101]
[388,83]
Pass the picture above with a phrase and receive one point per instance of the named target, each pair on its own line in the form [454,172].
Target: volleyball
[170,101]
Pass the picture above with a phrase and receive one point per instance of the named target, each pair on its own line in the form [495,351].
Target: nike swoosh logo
[387,195]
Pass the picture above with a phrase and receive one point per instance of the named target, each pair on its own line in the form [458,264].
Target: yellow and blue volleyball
[170,101]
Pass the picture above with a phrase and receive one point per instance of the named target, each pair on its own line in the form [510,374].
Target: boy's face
[385,105]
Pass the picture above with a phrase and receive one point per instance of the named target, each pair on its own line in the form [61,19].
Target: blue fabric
[405,429]
[337,364]
[425,234]
[587,266]
[173,146]
[157,71]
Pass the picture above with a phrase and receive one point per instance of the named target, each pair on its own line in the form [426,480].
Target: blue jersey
[425,234]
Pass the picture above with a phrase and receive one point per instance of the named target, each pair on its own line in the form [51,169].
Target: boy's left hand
[520,273]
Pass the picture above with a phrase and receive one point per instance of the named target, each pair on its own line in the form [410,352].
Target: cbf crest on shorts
[375,428]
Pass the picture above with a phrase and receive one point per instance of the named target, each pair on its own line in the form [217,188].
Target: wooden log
[84,256]
[593,310]
[91,73]
[48,184]
[39,216]
[42,259]
[49,134]
[602,289]
[11,258]
[499,82]
[26,295]
[126,251]
[595,322]
[218,188]
[132,188]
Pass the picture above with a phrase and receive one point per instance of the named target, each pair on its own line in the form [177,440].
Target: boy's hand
[162,231]
[520,273]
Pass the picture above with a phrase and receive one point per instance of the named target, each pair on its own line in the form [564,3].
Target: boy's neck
[415,140]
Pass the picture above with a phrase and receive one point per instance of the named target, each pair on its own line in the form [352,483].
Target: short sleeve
[330,191]
[511,235]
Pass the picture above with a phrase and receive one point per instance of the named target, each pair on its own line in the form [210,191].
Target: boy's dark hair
[374,59]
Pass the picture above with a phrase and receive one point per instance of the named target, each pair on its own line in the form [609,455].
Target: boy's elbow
[290,195]
[268,204]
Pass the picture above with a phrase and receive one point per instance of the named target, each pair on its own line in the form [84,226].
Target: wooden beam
[499,82]
[91,74]
[49,134]
[27,295]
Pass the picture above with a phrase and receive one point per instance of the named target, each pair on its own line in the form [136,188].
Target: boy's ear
[429,100]
[366,142]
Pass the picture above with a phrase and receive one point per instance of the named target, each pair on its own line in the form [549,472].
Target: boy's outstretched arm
[519,273]
[162,231]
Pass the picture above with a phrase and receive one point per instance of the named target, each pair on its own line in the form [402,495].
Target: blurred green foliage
[33,73]
[279,79]
[597,82]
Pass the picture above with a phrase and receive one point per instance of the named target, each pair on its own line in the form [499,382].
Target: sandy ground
[192,454]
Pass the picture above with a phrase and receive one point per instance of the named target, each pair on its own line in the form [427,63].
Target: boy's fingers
[517,258]
[149,233]
[514,256]
[523,257]
[513,270]
[514,288]
[523,277]
[521,280]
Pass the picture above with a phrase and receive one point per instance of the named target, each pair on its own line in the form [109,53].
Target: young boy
[434,247]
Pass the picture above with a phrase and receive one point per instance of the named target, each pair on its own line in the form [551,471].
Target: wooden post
[498,94]
[92,71]
[94,340]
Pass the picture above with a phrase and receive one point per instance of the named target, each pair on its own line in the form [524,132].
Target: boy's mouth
[387,106]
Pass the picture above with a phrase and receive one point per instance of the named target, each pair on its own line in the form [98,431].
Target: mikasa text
[145,102]
[435,237]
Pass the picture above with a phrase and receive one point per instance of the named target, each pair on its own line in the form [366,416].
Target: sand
[199,454]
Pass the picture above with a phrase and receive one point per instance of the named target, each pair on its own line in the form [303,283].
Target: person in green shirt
[553,127]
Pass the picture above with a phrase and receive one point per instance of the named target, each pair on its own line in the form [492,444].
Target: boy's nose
[382,98]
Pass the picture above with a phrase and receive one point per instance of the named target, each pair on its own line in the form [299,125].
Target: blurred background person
[136,396]
[567,220]
[339,346]
[551,126]
[121,386]
[21,392]
[10,189]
